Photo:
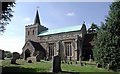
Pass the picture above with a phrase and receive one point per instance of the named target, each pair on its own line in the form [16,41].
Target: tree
[8,54]
[93,28]
[107,43]
[6,14]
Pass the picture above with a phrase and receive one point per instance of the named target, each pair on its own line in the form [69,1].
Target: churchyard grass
[46,66]
[43,66]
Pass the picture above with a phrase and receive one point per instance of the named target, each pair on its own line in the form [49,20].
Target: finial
[37,20]
[83,22]
[37,7]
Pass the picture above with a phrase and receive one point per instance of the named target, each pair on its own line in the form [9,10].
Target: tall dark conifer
[107,44]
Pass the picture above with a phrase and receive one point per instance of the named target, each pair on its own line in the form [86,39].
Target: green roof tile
[61,30]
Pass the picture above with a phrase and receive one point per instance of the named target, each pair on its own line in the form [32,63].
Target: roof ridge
[61,30]
[67,27]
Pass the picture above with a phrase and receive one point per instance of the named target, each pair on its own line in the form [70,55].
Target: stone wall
[29,47]
[33,31]
[59,40]
[60,36]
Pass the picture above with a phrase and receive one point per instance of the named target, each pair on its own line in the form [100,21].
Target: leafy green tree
[8,54]
[107,43]
[93,28]
[6,13]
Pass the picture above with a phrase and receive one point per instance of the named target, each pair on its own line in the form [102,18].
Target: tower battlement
[31,25]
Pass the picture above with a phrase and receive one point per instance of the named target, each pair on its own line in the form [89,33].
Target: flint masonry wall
[59,40]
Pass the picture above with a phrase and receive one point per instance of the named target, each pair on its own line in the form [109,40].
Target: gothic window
[68,49]
[51,49]
[28,32]
[33,32]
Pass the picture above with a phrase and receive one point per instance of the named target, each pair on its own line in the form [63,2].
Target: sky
[52,15]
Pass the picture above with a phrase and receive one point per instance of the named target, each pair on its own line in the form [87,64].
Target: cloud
[27,19]
[71,14]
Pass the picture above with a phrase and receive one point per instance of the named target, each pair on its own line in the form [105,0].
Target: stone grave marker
[13,61]
[90,59]
[15,56]
[2,53]
[99,65]
[56,64]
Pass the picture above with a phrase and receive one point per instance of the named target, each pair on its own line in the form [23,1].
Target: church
[69,43]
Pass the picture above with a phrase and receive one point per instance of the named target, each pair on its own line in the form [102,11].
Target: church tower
[32,31]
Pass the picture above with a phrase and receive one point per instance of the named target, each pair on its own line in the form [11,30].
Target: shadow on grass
[8,70]
[66,72]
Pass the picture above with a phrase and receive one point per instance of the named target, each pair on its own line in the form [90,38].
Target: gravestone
[108,66]
[13,61]
[70,62]
[76,62]
[90,59]
[16,55]
[99,65]
[2,53]
[56,64]
[81,64]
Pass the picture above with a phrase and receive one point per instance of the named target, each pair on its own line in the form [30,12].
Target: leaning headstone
[16,55]
[56,64]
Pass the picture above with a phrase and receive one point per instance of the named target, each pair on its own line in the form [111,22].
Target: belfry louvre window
[28,32]
[51,49]
[33,32]
[68,49]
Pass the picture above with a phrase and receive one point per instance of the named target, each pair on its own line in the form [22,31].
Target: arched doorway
[27,54]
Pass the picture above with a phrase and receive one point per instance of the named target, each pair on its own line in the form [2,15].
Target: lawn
[23,66]
[46,66]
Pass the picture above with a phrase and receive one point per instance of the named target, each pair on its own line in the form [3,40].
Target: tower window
[33,32]
[28,32]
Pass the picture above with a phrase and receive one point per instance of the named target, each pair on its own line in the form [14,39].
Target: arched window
[68,48]
[51,49]
[33,32]
[28,32]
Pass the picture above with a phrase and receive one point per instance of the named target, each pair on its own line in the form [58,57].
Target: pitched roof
[61,30]
[37,46]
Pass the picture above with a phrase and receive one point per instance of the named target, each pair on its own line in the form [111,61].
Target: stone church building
[43,43]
